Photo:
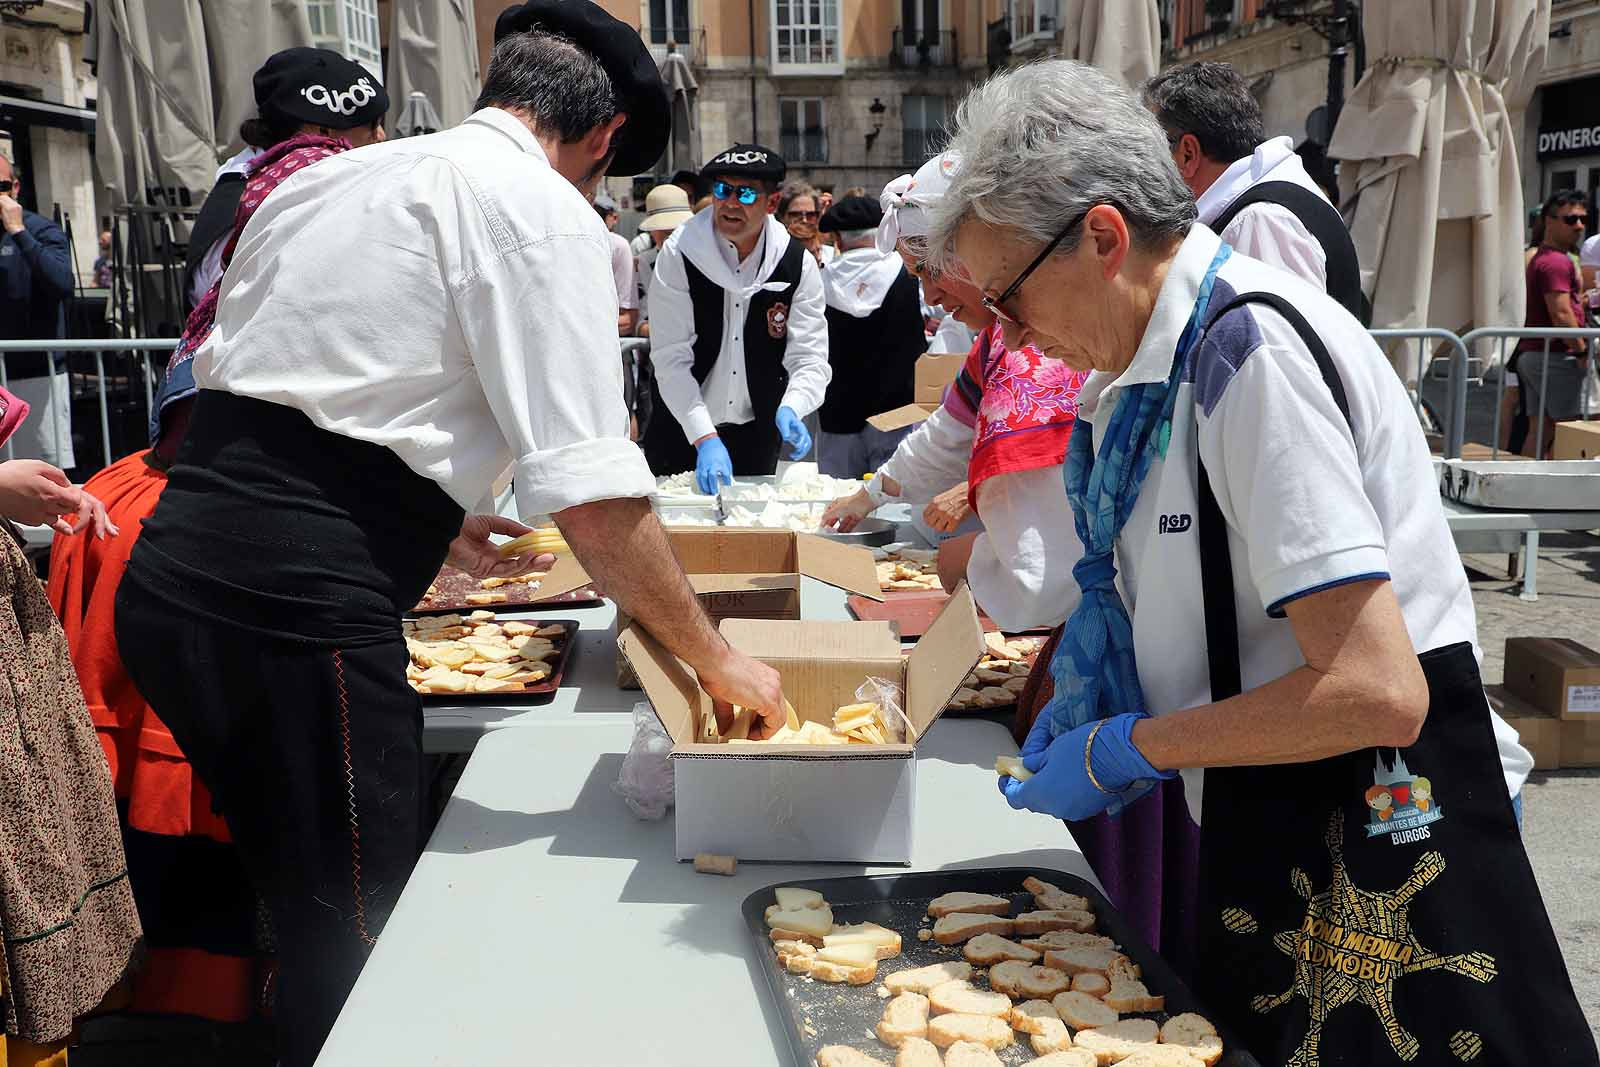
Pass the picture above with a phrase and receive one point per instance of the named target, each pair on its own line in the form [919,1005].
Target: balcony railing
[689,43]
[923,49]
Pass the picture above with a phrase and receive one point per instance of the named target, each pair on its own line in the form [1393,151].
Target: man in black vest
[739,341]
[1253,191]
[875,335]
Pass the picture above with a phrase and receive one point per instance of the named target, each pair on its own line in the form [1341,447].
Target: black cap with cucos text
[852,213]
[320,87]
[626,60]
[745,161]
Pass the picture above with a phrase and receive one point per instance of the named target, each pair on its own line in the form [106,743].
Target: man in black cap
[400,324]
[875,336]
[740,345]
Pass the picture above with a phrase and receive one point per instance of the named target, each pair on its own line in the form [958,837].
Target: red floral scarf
[1020,404]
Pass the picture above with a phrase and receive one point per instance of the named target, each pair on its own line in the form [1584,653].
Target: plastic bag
[886,695]
[645,781]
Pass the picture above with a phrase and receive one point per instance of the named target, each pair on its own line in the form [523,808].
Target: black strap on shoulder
[1323,221]
[1216,562]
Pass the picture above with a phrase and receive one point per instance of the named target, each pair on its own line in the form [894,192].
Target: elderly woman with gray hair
[1272,607]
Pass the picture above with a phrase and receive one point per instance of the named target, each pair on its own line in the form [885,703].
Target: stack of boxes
[1551,697]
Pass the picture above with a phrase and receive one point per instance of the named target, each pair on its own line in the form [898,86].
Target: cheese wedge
[1011,766]
[793,716]
[790,897]
[857,955]
[815,921]
[885,941]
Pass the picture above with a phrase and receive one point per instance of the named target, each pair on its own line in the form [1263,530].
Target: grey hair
[1043,143]
[858,237]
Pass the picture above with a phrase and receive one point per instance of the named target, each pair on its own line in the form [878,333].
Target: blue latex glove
[1059,785]
[793,431]
[712,466]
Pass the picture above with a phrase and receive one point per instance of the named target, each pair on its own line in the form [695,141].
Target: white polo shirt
[1308,506]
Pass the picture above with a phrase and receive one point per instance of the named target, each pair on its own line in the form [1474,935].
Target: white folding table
[1488,530]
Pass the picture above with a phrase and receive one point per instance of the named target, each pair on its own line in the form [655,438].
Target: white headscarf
[906,200]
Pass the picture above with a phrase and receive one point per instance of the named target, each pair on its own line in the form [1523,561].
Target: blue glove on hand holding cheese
[1061,784]
[794,433]
[713,468]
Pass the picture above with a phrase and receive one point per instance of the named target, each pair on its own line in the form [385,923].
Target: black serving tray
[816,1014]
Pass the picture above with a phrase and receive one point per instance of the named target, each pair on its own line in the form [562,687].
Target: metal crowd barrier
[99,346]
[1453,422]
[1502,334]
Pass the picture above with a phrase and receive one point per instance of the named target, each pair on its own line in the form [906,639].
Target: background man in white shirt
[1253,191]
[355,405]
[621,266]
[739,342]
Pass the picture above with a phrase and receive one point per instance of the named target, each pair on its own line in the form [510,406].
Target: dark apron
[1376,907]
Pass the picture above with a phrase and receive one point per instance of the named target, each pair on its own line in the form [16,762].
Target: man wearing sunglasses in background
[739,337]
[35,279]
[1552,386]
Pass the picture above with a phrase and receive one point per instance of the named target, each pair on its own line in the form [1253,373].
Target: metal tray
[866,532]
[846,1015]
[538,693]
[1524,485]
[454,586]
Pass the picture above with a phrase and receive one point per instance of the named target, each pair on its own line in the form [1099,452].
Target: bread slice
[1054,898]
[1041,922]
[779,934]
[969,903]
[925,980]
[885,942]
[1195,1035]
[1033,1016]
[946,1030]
[971,1054]
[904,1017]
[918,1052]
[1129,995]
[789,949]
[1123,969]
[848,974]
[960,926]
[1093,983]
[1161,1056]
[1119,1040]
[845,1056]
[1071,1058]
[1068,939]
[963,998]
[1017,979]
[1081,1011]
[992,948]
[1082,960]
[1053,1038]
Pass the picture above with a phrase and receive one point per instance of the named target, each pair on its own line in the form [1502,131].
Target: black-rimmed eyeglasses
[996,304]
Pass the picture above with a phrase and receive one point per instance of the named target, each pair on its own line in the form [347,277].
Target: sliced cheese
[1011,766]
[817,922]
[856,955]
[791,897]
[862,934]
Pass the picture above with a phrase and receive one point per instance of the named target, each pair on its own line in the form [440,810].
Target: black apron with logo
[1376,907]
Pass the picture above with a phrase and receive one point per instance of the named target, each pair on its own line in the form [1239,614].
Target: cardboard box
[1557,675]
[933,373]
[1580,743]
[807,803]
[1576,440]
[744,574]
[1539,731]
[901,417]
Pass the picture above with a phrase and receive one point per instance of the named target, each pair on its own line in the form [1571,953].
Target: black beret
[746,161]
[852,213]
[623,55]
[317,86]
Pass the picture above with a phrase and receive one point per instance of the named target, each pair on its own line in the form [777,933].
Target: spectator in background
[1552,384]
[799,212]
[689,182]
[35,281]
[621,266]
[666,207]
[102,262]
[874,338]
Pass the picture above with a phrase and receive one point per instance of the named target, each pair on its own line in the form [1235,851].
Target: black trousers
[314,757]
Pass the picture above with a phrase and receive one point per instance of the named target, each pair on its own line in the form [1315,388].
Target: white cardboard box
[806,803]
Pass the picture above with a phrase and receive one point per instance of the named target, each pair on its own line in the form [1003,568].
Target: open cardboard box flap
[901,417]
[727,560]
[821,664]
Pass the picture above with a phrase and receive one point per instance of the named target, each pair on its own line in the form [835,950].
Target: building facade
[47,122]
[1560,146]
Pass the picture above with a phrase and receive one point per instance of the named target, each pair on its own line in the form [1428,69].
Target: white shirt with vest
[1310,503]
[724,398]
[1268,232]
[448,297]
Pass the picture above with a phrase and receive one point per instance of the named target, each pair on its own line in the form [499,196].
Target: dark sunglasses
[1574,220]
[746,194]
[5,186]
[996,304]
[804,216]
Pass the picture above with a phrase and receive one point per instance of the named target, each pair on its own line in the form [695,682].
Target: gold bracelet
[1088,746]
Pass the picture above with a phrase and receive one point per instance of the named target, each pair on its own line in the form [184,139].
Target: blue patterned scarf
[1094,669]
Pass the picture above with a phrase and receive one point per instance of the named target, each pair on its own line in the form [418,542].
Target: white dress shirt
[449,297]
[622,272]
[1268,232]
[724,399]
